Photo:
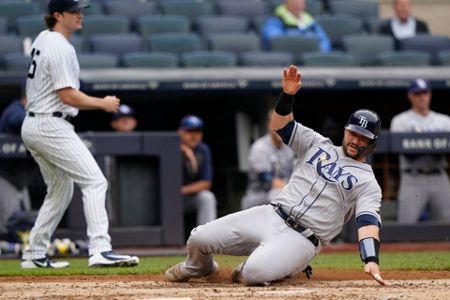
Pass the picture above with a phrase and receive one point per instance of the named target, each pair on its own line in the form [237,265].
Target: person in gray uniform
[423,178]
[329,185]
[270,166]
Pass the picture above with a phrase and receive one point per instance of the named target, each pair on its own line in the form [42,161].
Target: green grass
[429,261]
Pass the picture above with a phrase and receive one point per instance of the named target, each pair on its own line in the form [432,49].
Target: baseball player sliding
[54,98]
[329,185]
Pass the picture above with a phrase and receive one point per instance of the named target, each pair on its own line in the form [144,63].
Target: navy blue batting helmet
[366,123]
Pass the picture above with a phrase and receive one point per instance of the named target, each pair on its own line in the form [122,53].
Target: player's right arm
[80,100]
[283,110]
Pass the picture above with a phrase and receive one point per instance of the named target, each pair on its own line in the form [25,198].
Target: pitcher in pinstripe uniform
[54,98]
[328,186]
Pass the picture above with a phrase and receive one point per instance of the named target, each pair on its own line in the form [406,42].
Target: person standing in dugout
[54,99]
[329,185]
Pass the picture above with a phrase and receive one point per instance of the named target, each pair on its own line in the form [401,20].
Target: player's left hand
[373,270]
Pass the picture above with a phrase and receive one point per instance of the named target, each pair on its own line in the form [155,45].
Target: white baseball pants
[64,159]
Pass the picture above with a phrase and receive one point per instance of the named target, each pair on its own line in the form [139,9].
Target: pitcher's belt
[57,114]
[291,222]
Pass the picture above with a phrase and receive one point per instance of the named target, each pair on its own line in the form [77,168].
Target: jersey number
[32,67]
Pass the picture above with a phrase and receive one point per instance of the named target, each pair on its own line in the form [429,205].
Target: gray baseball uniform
[266,162]
[62,156]
[325,190]
[423,178]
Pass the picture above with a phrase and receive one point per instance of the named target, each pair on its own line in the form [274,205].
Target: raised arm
[291,83]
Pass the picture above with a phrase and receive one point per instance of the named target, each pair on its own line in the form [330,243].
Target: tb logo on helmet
[363,121]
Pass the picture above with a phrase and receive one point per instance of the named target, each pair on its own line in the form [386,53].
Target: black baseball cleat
[111,259]
[45,262]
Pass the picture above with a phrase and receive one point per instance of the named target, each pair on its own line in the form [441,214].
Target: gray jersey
[410,121]
[265,157]
[327,187]
[54,66]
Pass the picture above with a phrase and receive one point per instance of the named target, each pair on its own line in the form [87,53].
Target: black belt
[57,114]
[291,222]
[422,171]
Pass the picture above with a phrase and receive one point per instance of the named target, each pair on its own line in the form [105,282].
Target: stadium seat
[94,9]
[9,44]
[366,48]
[188,8]
[3,25]
[208,59]
[443,58]
[235,42]
[221,24]
[117,44]
[177,43]
[265,59]
[97,60]
[130,10]
[405,58]
[150,60]
[338,26]
[431,44]
[78,43]
[330,59]
[30,26]
[243,8]
[100,24]
[16,62]
[363,9]
[314,7]
[296,45]
[11,10]
[161,24]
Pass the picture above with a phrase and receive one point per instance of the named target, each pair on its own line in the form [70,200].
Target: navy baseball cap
[419,85]
[66,5]
[124,111]
[191,122]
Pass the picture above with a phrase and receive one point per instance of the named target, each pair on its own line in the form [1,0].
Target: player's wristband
[284,104]
[369,249]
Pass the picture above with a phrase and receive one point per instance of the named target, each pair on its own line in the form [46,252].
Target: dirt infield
[343,284]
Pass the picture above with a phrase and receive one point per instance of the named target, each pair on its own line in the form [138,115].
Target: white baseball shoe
[236,274]
[177,273]
[45,262]
[111,259]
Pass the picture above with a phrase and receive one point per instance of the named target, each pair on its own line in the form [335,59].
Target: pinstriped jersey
[54,65]
[327,187]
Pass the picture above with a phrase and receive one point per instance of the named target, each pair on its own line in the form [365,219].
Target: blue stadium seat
[130,10]
[97,60]
[117,44]
[160,60]
[208,59]
[3,25]
[11,10]
[362,9]
[30,26]
[294,44]
[9,44]
[151,24]
[177,43]
[188,8]
[431,44]
[16,61]
[337,26]
[221,24]
[366,48]
[243,8]
[443,58]
[265,59]
[235,42]
[100,24]
[327,60]
[405,58]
